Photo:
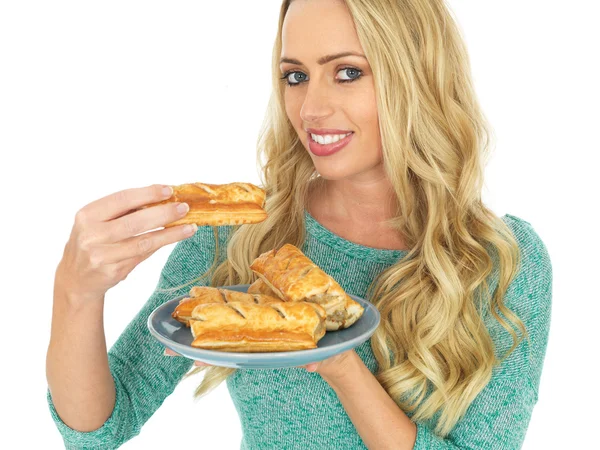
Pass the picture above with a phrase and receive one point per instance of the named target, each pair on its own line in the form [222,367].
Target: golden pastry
[293,277]
[218,204]
[206,294]
[260,287]
[251,327]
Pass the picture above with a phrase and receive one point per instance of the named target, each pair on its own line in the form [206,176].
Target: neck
[366,202]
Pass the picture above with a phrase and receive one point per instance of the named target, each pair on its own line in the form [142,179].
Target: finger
[119,203]
[144,220]
[200,364]
[169,352]
[311,367]
[138,248]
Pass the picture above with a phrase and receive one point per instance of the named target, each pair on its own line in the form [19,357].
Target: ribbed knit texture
[295,409]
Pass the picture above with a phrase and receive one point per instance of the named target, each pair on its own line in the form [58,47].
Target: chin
[342,169]
[332,173]
[339,176]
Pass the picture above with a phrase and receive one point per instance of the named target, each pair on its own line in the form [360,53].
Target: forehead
[318,27]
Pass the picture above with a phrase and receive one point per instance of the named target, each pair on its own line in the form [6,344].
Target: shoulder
[535,259]
[529,294]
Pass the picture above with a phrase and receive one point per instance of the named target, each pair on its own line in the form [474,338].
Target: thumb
[169,352]
[312,367]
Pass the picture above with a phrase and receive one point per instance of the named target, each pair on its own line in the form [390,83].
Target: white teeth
[328,138]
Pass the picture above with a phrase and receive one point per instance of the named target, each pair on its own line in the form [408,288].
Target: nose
[317,104]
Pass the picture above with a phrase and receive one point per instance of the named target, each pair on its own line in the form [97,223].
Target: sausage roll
[260,287]
[206,294]
[251,327]
[293,277]
[218,204]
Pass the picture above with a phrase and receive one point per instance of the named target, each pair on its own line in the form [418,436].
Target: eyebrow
[323,60]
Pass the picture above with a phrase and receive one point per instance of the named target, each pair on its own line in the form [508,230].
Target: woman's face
[336,94]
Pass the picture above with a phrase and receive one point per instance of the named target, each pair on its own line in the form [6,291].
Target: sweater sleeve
[499,416]
[143,376]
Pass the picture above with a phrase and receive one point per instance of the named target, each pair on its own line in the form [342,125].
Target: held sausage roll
[260,287]
[293,277]
[218,204]
[206,294]
[251,327]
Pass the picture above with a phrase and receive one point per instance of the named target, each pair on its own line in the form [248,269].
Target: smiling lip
[327,149]
[323,131]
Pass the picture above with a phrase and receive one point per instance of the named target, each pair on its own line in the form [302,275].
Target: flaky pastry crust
[218,204]
[293,277]
[207,294]
[251,327]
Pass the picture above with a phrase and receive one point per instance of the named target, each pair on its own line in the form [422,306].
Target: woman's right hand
[104,247]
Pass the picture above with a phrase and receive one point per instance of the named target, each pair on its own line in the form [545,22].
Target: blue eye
[287,75]
[357,73]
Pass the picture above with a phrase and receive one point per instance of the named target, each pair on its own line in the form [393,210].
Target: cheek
[370,117]
[292,109]
[361,109]
[368,121]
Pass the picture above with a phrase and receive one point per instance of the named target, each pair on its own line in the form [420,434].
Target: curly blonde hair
[432,339]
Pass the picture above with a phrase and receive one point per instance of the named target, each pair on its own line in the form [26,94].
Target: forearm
[77,371]
[379,421]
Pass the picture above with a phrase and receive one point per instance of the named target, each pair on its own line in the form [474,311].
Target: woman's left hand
[336,365]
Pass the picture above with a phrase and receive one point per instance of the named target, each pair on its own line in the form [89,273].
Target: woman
[394,216]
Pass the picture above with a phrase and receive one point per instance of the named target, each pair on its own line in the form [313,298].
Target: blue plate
[178,337]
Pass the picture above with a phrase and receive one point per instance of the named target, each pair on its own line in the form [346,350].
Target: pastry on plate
[218,204]
[293,277]
[260,287]
[206,294]
[251,327]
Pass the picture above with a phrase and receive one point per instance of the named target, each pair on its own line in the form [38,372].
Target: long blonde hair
[432,339]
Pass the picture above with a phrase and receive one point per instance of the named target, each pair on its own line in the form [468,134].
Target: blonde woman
[395,216]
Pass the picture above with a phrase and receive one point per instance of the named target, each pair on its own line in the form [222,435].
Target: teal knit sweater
[294,409]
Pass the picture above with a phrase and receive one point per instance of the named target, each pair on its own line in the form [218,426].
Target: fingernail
[190,229]
[183,208]
[167,191]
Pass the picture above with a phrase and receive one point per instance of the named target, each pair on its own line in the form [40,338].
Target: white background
[96,97]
